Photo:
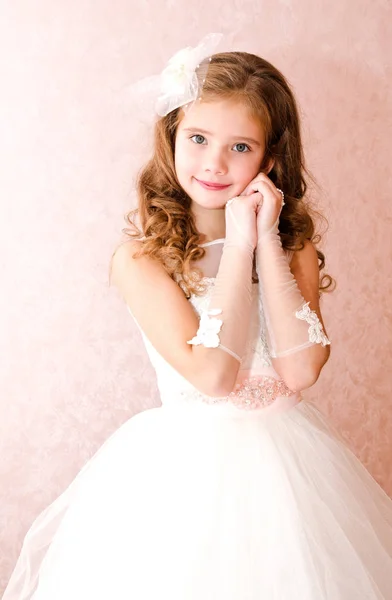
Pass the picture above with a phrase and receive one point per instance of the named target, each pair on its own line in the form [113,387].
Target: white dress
[248,497]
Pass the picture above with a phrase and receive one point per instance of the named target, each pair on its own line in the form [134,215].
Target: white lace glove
[226,322]
[291,324]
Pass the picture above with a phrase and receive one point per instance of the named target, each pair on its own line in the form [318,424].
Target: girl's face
[217,143]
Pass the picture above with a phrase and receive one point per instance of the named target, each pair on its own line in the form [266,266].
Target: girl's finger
[262,181]
[255,199]
[245,192]
[264,186]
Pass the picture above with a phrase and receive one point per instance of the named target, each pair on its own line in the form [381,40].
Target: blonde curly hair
[164,213]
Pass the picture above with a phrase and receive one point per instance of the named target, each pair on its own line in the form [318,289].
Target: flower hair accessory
[181,81]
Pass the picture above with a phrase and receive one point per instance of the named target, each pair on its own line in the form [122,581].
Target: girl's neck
[209,222]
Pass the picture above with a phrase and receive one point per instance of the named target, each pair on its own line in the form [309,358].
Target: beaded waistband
[254,394]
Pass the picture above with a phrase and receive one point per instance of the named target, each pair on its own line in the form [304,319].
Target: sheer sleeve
[291,324]
[225,323]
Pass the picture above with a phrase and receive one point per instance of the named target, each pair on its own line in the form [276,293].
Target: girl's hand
[241,213]
[271,203]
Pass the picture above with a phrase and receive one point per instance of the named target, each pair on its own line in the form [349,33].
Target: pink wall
[70,356]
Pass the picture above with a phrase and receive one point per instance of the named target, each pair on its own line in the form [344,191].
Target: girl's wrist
[264,237]
[241,243]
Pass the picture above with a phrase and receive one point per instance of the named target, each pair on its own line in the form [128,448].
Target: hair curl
[164,208]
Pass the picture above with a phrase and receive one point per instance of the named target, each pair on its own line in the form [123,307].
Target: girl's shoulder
[124,260]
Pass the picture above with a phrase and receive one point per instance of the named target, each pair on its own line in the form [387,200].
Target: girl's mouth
[212,186]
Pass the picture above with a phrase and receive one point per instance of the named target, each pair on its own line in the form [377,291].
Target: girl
[236,488]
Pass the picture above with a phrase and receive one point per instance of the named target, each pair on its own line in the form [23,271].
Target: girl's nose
[215,162]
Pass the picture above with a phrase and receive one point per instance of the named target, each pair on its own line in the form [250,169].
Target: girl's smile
[217,187]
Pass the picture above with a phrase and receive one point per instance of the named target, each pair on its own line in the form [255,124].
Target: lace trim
[209,327]
[265,353]
[207,334]
[256,347]
[316,332]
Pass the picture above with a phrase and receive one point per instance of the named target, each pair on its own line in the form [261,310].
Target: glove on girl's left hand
[291,324]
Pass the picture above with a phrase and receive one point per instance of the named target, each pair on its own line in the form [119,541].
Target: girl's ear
[270,165]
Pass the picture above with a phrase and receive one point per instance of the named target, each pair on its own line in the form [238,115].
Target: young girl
[236,488]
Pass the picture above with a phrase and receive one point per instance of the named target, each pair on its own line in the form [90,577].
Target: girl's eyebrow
[237,137]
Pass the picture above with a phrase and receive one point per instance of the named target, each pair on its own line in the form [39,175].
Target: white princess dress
[249,497]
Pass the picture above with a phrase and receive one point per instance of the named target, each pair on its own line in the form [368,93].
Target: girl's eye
[199,138]
[242,146]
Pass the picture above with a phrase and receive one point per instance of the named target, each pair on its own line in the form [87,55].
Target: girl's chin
[211,205]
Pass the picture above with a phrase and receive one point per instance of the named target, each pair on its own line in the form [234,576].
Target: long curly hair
[164,209]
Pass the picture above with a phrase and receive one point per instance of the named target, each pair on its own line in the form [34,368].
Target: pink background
[72,366]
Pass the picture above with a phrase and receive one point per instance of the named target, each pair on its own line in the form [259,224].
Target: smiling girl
[236,488]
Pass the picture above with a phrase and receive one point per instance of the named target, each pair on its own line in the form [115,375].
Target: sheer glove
[291,324]
[226,322]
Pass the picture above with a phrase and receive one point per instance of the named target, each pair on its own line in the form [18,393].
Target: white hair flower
[179,73]
[183,77]
[180,82]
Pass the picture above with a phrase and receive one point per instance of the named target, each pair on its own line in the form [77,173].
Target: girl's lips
[212,186]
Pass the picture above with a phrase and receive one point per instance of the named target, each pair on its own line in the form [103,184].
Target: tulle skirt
[189,503]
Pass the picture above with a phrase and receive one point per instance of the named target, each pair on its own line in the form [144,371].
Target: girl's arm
[170,322]
[290,295]
[295,334]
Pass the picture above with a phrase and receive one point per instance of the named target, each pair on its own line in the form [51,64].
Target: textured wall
[72,368]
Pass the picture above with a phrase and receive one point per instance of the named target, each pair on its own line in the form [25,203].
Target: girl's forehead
[228,115]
